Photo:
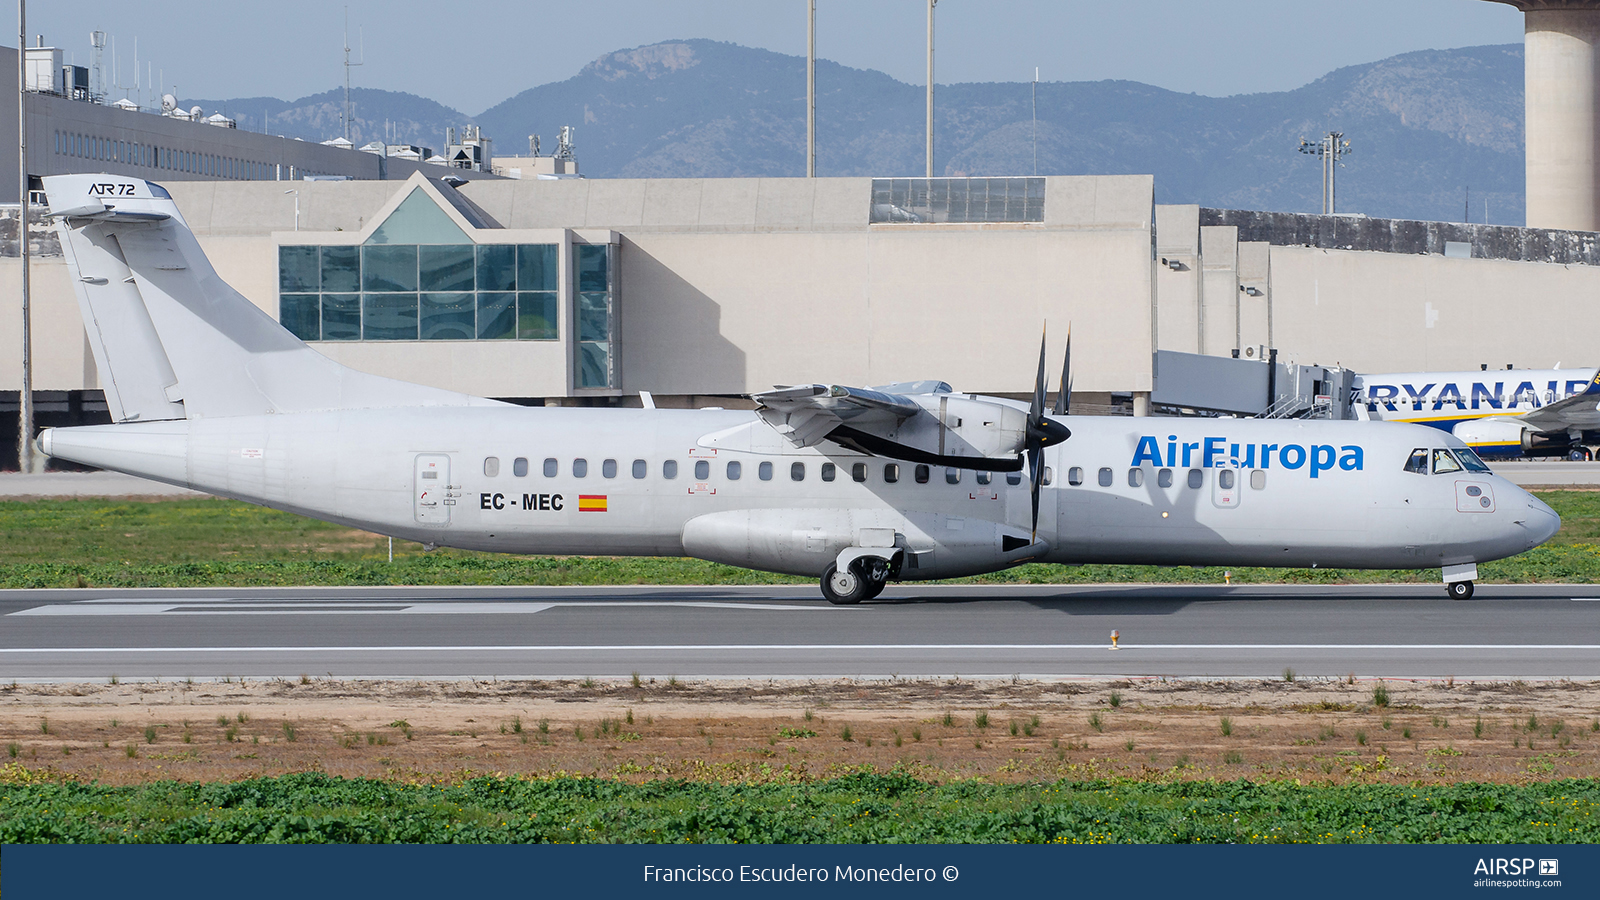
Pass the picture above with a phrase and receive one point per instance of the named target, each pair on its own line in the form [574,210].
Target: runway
[912,631]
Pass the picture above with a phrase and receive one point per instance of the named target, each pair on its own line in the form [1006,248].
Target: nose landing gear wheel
[1459,590]
[844,587]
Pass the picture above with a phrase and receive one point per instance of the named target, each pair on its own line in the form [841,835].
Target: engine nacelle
[1495,437]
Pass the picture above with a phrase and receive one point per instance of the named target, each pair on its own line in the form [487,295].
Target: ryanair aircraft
[856,487]
[1496,413]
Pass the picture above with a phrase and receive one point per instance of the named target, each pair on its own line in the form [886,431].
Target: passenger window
[1013,478]
[608,469]
[1444,461]
[580,468]
[1417,463]
[551,467]
[519,467]
[669,469]
[1258,479]
[1197,479]
[797,472]
[640,468]
[1105,478]
[952,476]
[984,477]
[1164,478]
[858,472]
[735,469]
[891,473]
[702,470]
[764,471]
[1049,475]
[491,466]
[829,471]
[1225,479]
[1075,476]
[921,474]
[1135,478]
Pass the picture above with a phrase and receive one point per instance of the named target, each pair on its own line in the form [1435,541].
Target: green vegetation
[860,808]
[124,543]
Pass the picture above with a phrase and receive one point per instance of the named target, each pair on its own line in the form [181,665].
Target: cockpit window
[1444,461]
[1471,461]
[1418,462]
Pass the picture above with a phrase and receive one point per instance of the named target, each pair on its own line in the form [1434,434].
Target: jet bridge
[1254,384]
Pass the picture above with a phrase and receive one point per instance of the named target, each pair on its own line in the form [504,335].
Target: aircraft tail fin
[173,340]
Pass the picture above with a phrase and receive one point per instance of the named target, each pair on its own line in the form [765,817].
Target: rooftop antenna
[1331,149]
[1035,120]
[97,85]
[347,65]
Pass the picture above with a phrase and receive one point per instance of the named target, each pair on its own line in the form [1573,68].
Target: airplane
[1497,413]
[856,487]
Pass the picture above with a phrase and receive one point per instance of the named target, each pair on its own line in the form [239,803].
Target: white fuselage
[1302,493]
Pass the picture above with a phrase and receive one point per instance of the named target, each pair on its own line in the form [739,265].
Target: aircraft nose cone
[1542,522]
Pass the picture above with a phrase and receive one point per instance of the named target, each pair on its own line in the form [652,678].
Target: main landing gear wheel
[1459,590]
[844,587]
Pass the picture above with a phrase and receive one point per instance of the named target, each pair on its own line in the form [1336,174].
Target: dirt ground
[1437,731]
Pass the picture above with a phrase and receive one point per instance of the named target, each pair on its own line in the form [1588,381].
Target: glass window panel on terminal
[536,316]
[497,316]
[446,267]
[497,267]
[537,267]
[389,268]
[298,270]
[341,317]
[302,315]
[389,317]
[341,269]
[447,317]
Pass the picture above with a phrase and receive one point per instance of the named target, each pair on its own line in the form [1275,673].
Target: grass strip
[209,542]
[866,807]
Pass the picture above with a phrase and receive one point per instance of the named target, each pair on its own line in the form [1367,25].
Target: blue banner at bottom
[36,872]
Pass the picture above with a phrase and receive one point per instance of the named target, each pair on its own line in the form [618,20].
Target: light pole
[811,90]
[1331,149]
[25,460]
[296,208]
[930,86]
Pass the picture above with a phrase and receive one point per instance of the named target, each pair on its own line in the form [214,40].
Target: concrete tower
[1562,51]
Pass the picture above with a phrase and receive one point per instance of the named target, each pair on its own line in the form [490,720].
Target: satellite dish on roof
[168,103]
[194,112]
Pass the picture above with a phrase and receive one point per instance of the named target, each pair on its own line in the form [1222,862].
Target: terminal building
[545,288]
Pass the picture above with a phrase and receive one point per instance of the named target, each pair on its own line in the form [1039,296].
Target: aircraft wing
[1577,411]
[920,422]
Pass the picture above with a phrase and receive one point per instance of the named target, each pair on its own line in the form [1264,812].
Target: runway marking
[227,607]
[592,648]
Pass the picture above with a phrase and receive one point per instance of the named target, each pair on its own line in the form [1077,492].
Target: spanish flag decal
[591,503]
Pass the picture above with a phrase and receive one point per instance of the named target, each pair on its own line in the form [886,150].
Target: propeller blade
[1040,434]
[1036,411]
[1036,478]
[1064,396]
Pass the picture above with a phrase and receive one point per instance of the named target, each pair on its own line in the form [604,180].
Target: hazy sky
[473,55]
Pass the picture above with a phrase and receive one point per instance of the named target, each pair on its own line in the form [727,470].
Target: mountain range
[1425,128]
